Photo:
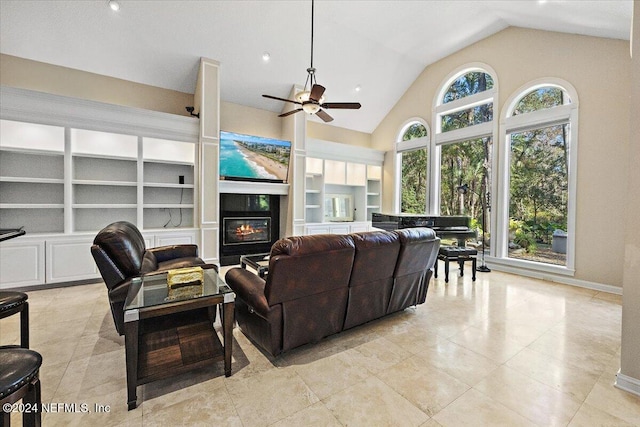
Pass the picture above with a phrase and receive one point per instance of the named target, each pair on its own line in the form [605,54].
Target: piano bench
[455,253]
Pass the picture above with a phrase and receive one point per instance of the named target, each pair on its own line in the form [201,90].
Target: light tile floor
[505,350]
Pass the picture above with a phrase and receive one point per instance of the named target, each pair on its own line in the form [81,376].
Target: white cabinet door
[356,174]
[21,263]
[70,259]
[335,172]
[175,238]
[340,229]
[359,227]
[317,229]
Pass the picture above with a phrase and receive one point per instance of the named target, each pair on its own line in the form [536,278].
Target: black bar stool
[12,303]
[458,254]
[19,379]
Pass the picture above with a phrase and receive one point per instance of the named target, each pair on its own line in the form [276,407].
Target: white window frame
[481,130]
[410,145]
[567,113]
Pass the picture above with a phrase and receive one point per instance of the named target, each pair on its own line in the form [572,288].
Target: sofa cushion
[418,249]
[371,276]
[303,265]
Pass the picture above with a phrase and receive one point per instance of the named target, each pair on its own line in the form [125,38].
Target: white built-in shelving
[69,167]
[333,169]
[31,176]
[107,176]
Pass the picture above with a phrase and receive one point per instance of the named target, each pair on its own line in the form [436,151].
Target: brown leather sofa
[120,254]
[320,285]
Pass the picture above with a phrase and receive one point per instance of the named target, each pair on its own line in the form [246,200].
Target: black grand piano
[455,227]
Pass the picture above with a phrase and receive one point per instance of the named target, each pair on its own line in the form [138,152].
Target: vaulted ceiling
[379,46]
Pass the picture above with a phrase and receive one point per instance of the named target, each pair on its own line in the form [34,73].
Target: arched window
[467,112]
[463,143]
[540,141]
[412,151]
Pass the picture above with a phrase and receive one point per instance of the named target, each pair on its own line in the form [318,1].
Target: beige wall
[249,121]
[599,70]
[336,134]
[26,74]
[629,364]
[42,77]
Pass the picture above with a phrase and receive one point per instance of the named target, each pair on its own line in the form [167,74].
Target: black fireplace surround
[249,224]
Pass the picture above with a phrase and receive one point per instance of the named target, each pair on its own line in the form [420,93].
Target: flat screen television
[253,158]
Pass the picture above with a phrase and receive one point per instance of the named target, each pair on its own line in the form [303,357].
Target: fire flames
[244,230]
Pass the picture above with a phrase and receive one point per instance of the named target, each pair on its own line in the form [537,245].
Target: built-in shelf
[106,183]
[22,150]
[31,206]
[168,206]
[104,156]
[166,185]
[30,180]
[105,206]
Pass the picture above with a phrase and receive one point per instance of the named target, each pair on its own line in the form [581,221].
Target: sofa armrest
[166,253]
[249,288]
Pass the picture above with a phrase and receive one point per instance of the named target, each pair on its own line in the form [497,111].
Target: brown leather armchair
[120,254]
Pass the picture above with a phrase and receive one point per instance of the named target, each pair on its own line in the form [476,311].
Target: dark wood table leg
[131,346]
[24,326]
[33,397]
[227,332]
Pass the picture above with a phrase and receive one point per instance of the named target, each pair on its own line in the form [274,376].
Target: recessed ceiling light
[114,5]
[358,88]
[266,56]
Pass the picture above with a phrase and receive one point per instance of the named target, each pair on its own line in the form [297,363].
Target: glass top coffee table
[168,336]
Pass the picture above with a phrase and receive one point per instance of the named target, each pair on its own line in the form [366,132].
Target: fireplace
[244,231]
[250,224]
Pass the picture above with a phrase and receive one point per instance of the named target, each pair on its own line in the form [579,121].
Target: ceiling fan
[312,102]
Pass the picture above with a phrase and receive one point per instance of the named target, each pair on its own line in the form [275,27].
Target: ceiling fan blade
[316,92]
[343,105]
[324,116]
[281,99]
[288,113]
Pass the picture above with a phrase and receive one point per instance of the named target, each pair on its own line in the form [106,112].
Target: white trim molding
[57,110]
[627,383]
[329,150]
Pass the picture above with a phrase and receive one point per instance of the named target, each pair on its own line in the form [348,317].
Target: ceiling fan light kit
[312,102]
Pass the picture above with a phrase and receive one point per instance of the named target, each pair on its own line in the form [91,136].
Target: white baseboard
[626,383]
[557,278]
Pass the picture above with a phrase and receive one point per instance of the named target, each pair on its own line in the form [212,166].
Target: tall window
[464,140]
[413,158]
[539,136]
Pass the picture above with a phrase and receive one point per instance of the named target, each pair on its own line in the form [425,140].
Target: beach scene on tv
[249,157]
